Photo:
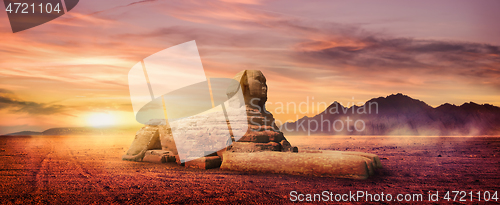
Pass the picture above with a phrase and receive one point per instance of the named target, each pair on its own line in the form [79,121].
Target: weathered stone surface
[167,139]
[286,146]
[254,147]
[372,160]
[146,138]
[373,157]
[203,134]
[149,157]
[178,160]
[158,156]
[204,162]
[220,153]
[311,164]
[170,158]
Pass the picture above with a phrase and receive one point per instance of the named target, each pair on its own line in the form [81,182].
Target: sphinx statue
[263,133]
[261,148]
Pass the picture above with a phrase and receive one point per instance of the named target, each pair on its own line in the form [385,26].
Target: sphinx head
[254,88]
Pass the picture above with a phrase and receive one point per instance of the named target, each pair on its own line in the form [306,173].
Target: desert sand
[88,169]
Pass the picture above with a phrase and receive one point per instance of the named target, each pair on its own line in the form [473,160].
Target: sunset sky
[73,70]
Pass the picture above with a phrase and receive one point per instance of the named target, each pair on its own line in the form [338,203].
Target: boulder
[159,156]
[204,162]
[308,164]
[146,138]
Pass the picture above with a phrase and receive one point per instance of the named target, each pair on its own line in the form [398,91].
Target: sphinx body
[261,148]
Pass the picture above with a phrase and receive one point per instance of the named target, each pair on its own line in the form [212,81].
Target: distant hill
[76,131]
[400,115]
[24,133]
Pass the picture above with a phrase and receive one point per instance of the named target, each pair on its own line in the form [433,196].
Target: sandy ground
[89,169]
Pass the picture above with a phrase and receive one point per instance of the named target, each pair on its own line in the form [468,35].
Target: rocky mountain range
[400,114]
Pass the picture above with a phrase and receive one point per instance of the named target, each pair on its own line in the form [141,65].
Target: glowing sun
[100,120]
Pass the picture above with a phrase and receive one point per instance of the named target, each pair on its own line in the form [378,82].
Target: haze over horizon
[73,70]
[302,112]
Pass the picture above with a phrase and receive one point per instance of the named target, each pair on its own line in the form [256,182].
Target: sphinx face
[257,84]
